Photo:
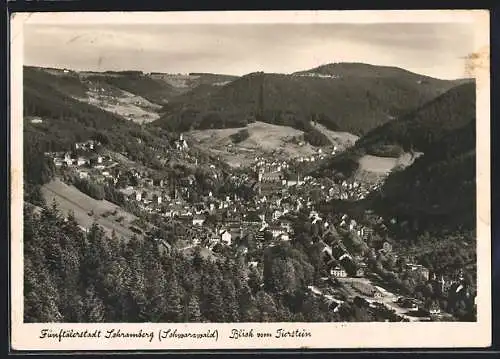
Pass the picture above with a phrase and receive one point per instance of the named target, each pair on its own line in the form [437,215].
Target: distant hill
[422,127]
[354,69]
[438,191]
[357,99]
[135,82]
[183,83]
[156,87]
[66,82]
[417,131]
[67,120]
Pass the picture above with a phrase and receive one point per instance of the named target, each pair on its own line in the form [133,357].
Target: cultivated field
[377,164]
[264,138]
[125,104]
[383,165]
[341,139]
[69,198]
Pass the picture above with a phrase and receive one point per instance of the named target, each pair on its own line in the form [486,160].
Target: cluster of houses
[319,155]
[276,175]
[181,144]
[86,161]
[336,258]
[268,216]
[351,190]
[419,270]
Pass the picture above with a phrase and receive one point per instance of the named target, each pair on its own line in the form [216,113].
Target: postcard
[250,180]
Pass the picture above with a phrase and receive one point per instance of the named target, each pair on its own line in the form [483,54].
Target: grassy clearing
[125,104]
[383,165]
[263,138]
[70,198]
[342,139]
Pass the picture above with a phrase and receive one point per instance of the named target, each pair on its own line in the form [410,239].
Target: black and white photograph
[251,172]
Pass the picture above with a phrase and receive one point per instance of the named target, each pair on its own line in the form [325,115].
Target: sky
[434,49]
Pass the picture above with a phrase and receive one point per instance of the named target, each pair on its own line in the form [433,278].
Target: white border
[324,335]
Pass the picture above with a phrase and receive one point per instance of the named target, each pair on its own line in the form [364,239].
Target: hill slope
[418,131]
[356,69]
[439,190]
[422,127]
[138,83]
[359,98]
[183,82]
[262,138]
[87,210]
[66,120]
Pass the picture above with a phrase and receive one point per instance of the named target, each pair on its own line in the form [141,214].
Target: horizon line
[239,76]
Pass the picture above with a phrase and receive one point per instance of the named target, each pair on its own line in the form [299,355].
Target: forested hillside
[71,276]
[430,128]
[353,101]
[422,128]
[156,91]
[66,120]
[439,189]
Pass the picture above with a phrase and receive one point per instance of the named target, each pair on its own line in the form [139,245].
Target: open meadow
[88,210]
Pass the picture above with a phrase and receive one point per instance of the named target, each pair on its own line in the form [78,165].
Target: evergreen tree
[266,306]
[174,308]
[92,307]
[155,290]
[41,299]
[213,305]
[230,300]
[193,310]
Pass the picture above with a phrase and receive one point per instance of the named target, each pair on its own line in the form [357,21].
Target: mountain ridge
[356,103]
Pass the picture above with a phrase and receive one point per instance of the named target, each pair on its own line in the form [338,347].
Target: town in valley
[200,197]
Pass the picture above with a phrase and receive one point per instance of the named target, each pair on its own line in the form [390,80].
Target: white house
[352,225]
[276,231]
[36,120]
[338,272]
[277,214]
[435,310]
[83,174]
[225,237]
[294,180]
[81,161]
[157,198]
[286,224]
[284,237]
[198,220]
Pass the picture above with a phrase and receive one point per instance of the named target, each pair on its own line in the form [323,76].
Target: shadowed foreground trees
[72,276]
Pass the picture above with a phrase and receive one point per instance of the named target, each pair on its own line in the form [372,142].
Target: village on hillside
[275,201]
